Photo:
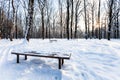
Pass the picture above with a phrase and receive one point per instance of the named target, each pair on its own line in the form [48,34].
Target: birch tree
[29,19]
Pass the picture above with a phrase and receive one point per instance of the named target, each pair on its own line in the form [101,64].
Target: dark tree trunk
[67,28]
[11,31]
[99,19]
[76,20]
[88,26]
[110,18]
[72,13]
[46,32]
[93,24]
[30,17]
[86,35]
[49,32]
[117,24]
[42,12]
[16,30]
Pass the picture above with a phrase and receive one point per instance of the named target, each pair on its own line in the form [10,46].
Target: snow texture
[90,60]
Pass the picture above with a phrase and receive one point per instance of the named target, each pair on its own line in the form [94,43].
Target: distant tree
[48,26]
[118,23]
[6,25]
[72,13]
[29,19]
[14,16]
[86,34]
[110,6]
[42,4]
[93,11]
[24,5]
[61,18]
[8,16]
[98,21]
[77,13]
[88,24]
[67,19]
[116,10]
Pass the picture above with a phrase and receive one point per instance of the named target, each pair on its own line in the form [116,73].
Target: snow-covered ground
[90,60]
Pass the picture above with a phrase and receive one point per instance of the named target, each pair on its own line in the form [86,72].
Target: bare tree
[72,13]
[48,27]
[85,20]
[61,21]
[67,19]
[42,9]
[2,19]
[29,18]
[12,30]
[93,11]
[99,19]
[88,23]
[8,31]
[116,10]
[16,28]
[110,5]
[118,23]
[77,13]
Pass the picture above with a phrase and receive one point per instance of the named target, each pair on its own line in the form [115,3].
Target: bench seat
[58,56]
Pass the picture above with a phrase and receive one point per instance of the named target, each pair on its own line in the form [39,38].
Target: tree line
[69,19]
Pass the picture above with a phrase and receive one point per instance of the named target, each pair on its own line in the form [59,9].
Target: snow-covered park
[90,60]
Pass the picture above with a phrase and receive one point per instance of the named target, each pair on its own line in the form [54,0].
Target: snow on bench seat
[56,55]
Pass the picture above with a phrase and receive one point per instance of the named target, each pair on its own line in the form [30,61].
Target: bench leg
[59,64]
[62,61]
[25,57]
[17,58]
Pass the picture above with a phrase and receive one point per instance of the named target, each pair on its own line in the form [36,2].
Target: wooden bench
[58,56]
[53,40]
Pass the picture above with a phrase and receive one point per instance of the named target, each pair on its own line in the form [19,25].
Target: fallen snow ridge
[90,60]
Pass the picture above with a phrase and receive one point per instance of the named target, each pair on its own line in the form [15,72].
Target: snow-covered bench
[58,56]
[53,40]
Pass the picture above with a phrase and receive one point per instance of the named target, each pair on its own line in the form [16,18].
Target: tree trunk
[93,19]
[88,25]
[118,25]
[29,18]
[110,18]
[76,19]
[86,35]
[99,19]
[16,27]
[72,13]
[42,15]
[67,28]
[12,29]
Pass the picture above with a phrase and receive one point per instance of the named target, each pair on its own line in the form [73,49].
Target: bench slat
[63,56]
